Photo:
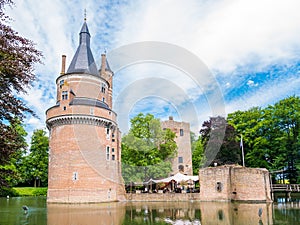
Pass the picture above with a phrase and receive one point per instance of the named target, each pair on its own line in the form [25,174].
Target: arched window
[181,168]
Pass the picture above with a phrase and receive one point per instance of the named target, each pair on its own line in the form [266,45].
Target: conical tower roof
[83,60]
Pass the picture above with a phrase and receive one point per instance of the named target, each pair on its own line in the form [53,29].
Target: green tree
[35,164]
[250,125]
[271,136]
[146,149]
[17,58]
[9,166]
[286,119]
[229,151]
[197,153]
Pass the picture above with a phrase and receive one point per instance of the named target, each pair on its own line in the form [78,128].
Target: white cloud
[251,83]
[267,94]
[225,34]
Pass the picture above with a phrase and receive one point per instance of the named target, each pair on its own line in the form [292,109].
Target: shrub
[5,191]
[40,192]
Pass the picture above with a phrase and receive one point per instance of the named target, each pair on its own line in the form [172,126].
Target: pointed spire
[83,60]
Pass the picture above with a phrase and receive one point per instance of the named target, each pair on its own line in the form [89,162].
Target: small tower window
[113,150]
[180,159]
[107,133]
[107,153]
[64,95]
[92,111]
[113,157]
[61,83]
[103,88]
[181,132]
[219,186]
[75,176]
[103,99]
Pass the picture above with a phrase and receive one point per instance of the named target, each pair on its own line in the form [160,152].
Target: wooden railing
[286,188]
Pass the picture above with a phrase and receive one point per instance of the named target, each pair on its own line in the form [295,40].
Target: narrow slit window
[107,153]
[75,176]
[107,133]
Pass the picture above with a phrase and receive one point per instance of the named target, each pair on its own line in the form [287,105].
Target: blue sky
[251,48]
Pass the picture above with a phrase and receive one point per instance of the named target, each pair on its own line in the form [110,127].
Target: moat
[190,212]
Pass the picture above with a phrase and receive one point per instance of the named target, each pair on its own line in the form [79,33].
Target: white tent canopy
[177,177]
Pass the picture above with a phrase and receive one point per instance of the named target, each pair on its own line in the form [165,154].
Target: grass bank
[30,191]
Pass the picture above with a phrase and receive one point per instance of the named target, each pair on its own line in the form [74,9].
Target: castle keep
[182,162]
[85,142]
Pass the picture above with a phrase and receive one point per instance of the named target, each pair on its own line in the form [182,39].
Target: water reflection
[208,213]
[235,213]
[162,213]
[105,213]
[157,213]
[287,213]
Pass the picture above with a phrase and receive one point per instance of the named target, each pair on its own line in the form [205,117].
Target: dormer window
[64,95]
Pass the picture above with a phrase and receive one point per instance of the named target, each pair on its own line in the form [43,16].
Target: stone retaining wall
[164,197]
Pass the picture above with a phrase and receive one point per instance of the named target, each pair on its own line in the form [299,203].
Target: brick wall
[183,141]
[163,197]
[78,168]
[234,183]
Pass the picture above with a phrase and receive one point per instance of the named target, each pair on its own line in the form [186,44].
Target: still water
[158,213]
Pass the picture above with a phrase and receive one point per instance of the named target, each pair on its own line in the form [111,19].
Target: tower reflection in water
[205,213]
[92,214]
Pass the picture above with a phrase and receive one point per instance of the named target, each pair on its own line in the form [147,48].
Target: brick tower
[85,146]
[183,161]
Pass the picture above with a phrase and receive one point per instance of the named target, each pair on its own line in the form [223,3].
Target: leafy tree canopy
[17,58]
[271,136]
[197,153]
[146,149]
[218,150]
[35,164]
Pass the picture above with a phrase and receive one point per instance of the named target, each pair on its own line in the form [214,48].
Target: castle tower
[183,161]
[85,142]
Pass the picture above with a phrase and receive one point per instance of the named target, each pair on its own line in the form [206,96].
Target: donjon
[182,162]
[85,142]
